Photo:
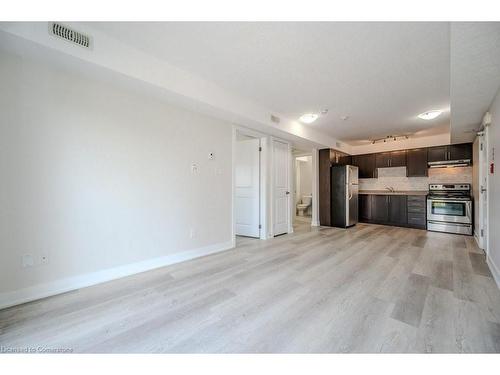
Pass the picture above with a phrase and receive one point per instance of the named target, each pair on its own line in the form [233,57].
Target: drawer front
[417,199]
[418,220]
[417,204]
[416,209]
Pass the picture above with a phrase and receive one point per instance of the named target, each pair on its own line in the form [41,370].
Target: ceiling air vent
[70,35]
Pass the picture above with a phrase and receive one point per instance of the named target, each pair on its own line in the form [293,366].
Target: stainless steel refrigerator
[344,195]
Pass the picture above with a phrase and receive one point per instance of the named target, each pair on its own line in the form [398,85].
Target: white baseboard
[494,271]
[17,297]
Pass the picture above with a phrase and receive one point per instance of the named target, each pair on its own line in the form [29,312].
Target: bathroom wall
[396,177]
[304,177]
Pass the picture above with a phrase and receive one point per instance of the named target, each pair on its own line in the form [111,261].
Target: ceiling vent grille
[70,35]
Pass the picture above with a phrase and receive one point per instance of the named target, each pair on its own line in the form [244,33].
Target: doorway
[303,191]
[247,179]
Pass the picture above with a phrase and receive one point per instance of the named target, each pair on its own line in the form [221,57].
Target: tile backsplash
[396,177]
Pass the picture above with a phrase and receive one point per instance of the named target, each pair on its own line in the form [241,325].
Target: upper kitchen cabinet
[391,159]
[366,165]
[339,158]
[461,151]
[439,153]
[398,158]
[416,163]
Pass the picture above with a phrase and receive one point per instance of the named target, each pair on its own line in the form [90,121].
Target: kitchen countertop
[397,192]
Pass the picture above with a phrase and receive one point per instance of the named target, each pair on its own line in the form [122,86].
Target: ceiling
[380,75]
[475,72]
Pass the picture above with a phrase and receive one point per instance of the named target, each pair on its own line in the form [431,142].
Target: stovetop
[450,192]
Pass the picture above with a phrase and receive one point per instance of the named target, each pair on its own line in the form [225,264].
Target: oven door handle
[467,203]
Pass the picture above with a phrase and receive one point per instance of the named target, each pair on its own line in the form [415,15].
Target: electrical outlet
[44,258]
[211,156]
[191,233]
[194,168]
[27,260]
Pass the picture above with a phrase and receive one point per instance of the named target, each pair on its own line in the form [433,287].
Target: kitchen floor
[366,289]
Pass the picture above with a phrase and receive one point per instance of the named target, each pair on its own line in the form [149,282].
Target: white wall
[396,177]
[494,191]
[97,177]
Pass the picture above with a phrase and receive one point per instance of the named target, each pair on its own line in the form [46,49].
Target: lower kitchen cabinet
[365,207]
[397,210]
[380,208]
[417,211]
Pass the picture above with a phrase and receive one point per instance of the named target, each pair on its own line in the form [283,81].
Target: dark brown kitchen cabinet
[383,209]
[439,153]
[417,209]
[365,207]
[344,159]
[383,159]
[416,163]
[380,209]
[461,151]
[397,210]
[398,158]
[366,165]
[391,159]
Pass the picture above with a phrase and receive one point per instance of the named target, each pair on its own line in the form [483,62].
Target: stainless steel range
[449,208]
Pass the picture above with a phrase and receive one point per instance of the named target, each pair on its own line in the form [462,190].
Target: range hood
[449,163]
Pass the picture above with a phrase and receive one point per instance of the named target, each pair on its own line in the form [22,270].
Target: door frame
[483,172]
[289,187]
[295,179]
[263,202]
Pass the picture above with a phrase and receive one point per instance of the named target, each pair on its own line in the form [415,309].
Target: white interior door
[483,192]
[281,188]
[247,180]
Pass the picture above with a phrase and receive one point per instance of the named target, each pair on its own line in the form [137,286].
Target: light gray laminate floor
[366,289]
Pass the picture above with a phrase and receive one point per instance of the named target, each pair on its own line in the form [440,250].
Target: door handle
[287,193]
[483,189]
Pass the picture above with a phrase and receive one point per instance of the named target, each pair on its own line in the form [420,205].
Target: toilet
[304,204]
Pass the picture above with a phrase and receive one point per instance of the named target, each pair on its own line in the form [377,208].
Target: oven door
[450,211]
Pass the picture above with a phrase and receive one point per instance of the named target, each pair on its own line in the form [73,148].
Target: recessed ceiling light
[308,118]
[429,115]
